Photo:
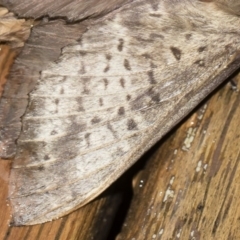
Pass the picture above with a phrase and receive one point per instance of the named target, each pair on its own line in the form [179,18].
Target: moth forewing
[108,99]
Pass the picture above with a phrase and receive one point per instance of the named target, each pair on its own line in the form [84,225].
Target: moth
[114,94]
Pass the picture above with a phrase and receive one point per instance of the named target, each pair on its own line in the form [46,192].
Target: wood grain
[6,59]
[189,188]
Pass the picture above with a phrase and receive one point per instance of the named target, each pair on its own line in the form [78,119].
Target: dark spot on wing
[131,124]
[120,152]
[80,104]
[121,111]
[128,97]
[134,21]
[75,125]
[201,49]
[105,83]
[154,95]
[106,69]
[56,101]
[108,56]
[146,99]
[228,47]
[62,79]
[122,82]
[146,55]
[156,15]
[46,157]
[127,65]
[156,35]
[151,77]
[120,45]
[152,65]
[33,105]
[70,147]
[100,101]
[139,102]
[82,53]
[133,24]
[82,70]
[176,52]
[109,126]
[41,168]
[95,120]
[142,40]
[86,81]
[200,63]
[87,136]
[188,36]
[62,91]
[53,132]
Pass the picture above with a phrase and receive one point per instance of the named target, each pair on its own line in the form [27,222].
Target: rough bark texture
[6,59]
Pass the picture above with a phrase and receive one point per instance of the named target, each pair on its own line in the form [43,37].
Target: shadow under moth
[113,94]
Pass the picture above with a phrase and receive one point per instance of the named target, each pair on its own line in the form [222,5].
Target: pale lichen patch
[179,233]
[199,166]
[189,138]
[169,192]
[161,231]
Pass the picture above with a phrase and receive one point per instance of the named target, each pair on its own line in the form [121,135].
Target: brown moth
[114,94]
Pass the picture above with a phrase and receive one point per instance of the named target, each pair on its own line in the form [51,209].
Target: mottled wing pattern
[112,96]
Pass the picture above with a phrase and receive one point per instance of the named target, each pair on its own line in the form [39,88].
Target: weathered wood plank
[189,188]
[6,60]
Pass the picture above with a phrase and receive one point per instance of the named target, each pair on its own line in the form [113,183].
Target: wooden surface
[6,59]
[188,189]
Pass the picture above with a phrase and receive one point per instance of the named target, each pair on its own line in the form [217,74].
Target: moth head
[230,6]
